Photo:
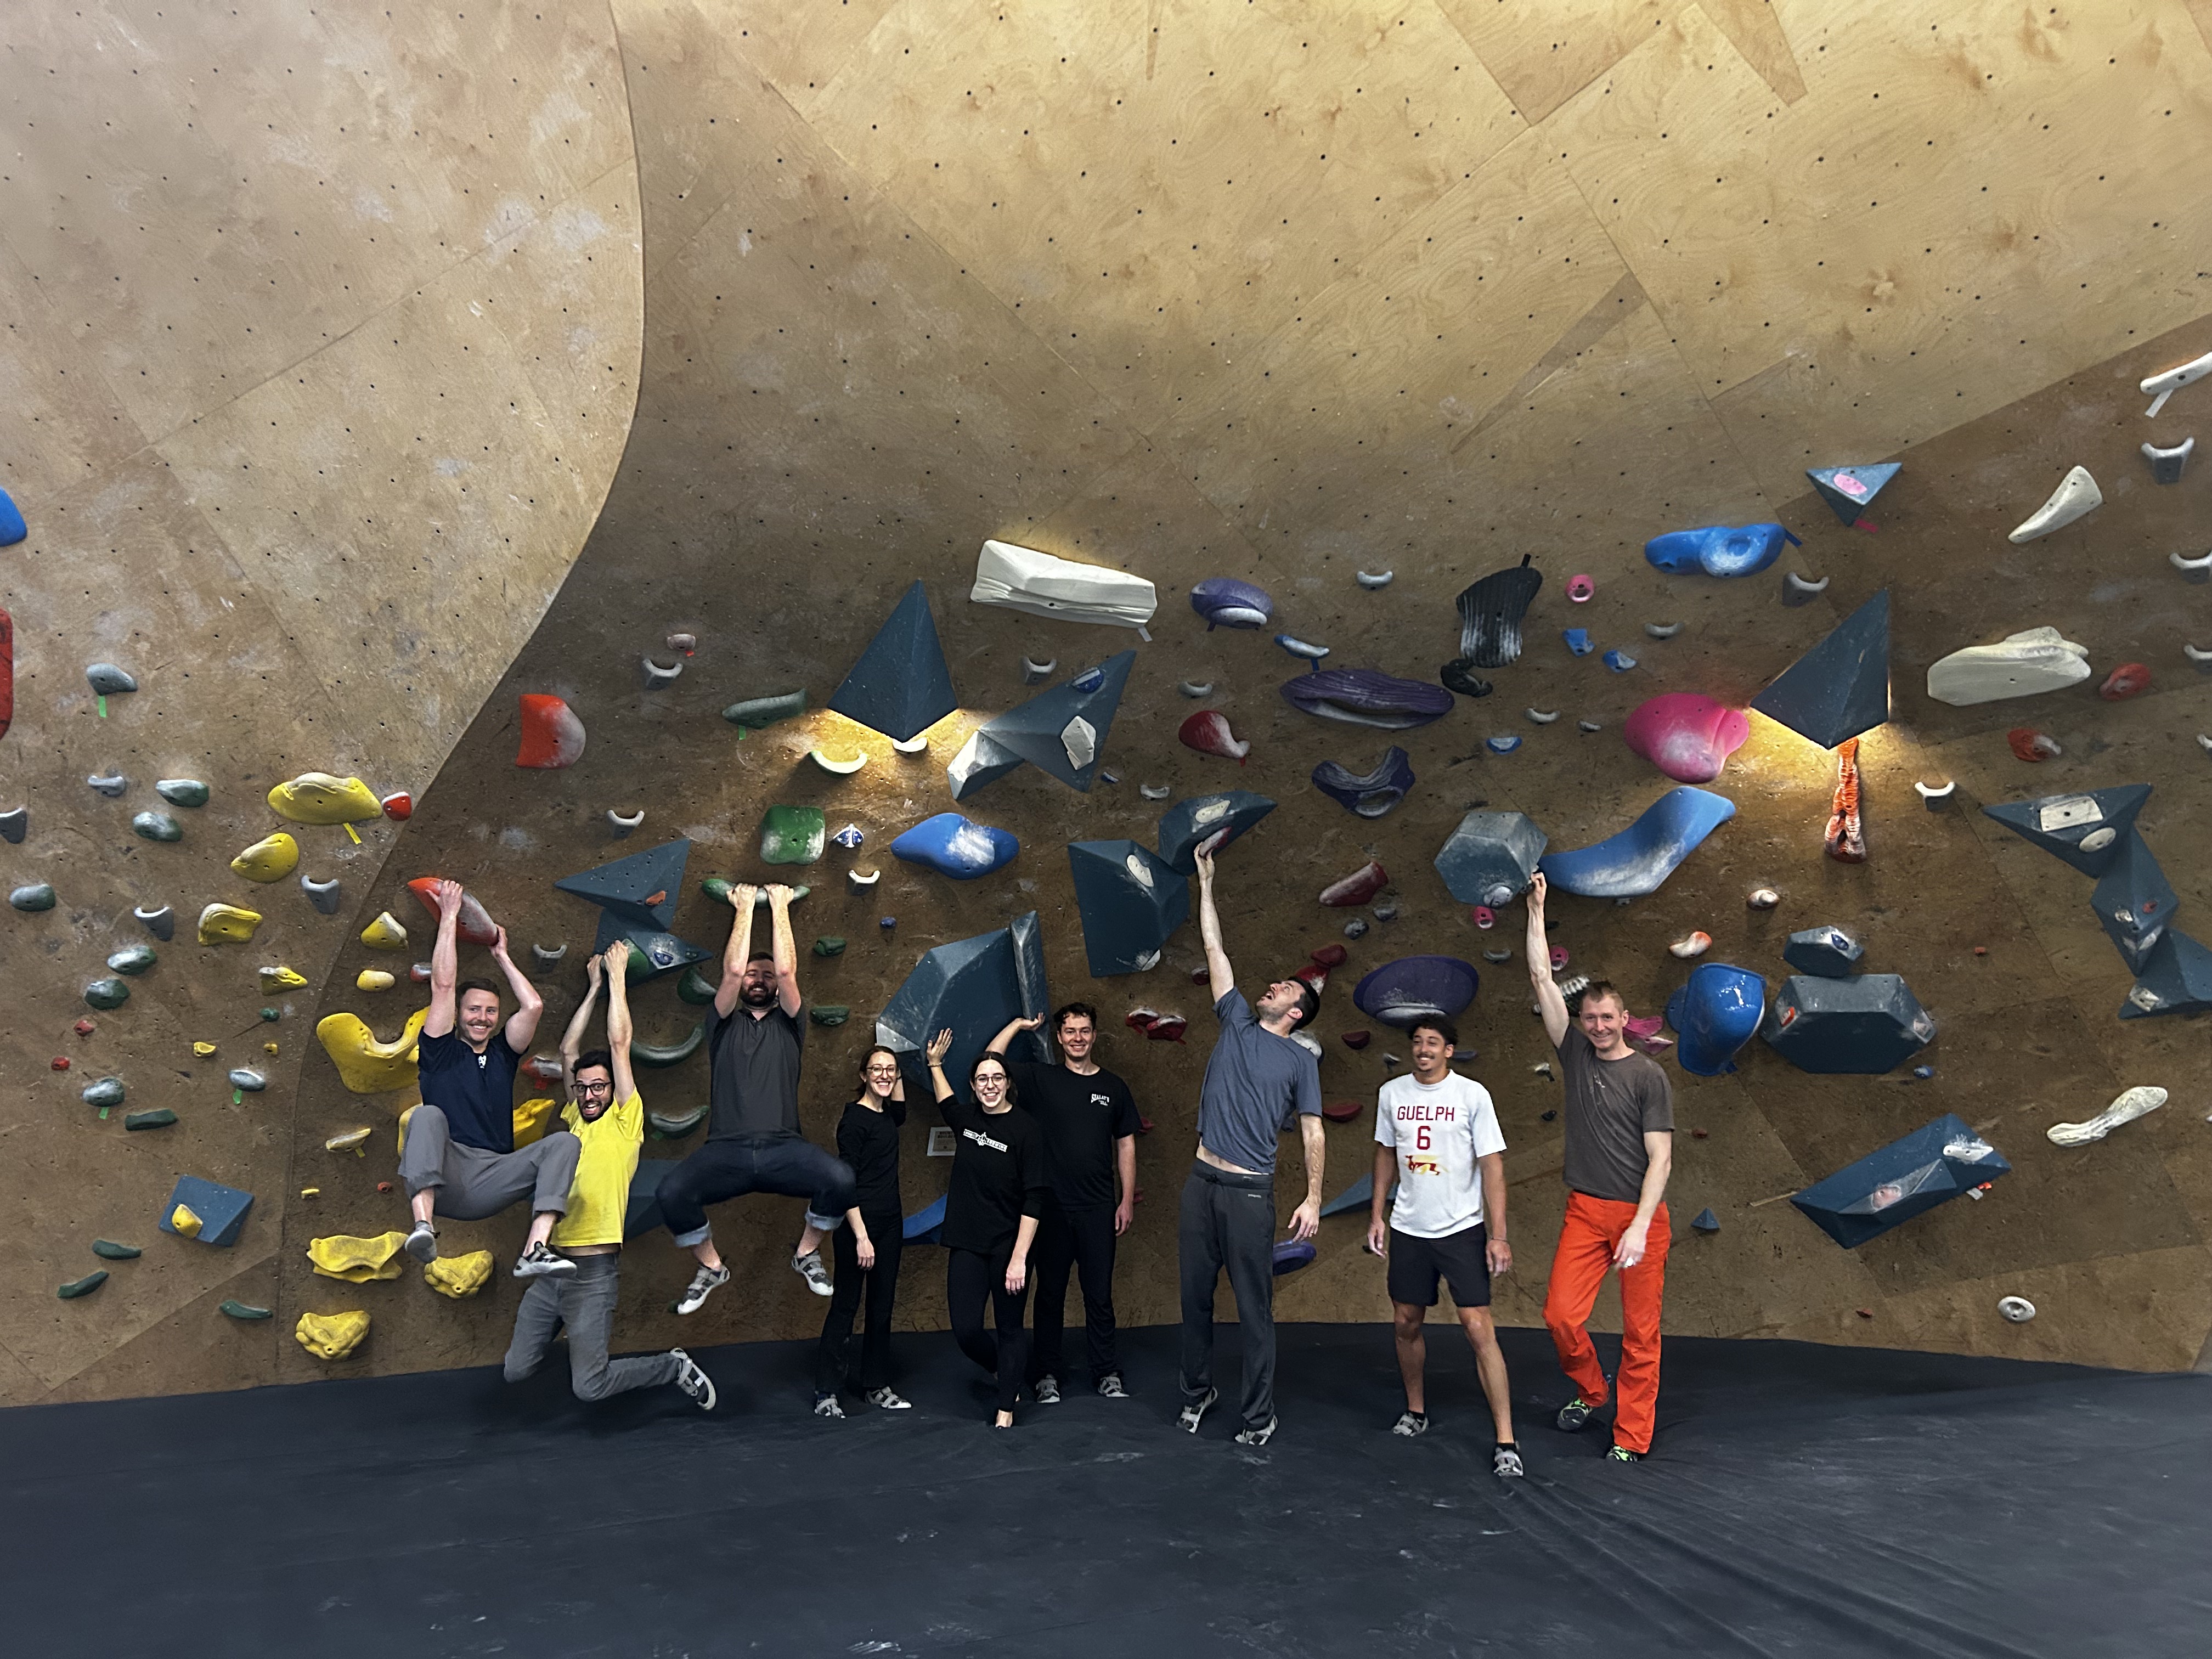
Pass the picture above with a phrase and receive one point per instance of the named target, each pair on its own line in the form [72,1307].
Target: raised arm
[785,948]
[618,1020]
[737,950]
[572,1040]
[445,963]
[1549,1002]
[1011,1029]
[522,1023]
[940,1046]
[1221,979]
[1659,1154]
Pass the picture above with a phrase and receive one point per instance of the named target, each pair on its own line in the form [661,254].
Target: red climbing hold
[1342,1111]
[61,1062]
[1144,1127]
[1207,731]
[1167,1028]
[7,673]
[552,736]
[82,1027]
[2130,679]
[477,927]
[2030,744]
[1312,974]
[1140,1018]
[1329,955]
[398,806]
[1361,885]
[1356,1040]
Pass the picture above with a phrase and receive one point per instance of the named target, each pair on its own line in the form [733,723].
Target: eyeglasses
[595,1088]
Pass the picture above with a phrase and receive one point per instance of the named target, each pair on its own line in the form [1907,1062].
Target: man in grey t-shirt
[1256,1080]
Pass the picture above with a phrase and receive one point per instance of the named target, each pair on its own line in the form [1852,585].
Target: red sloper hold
[1329,955]
[1167,1028]
[1356,1040]
[1207,731]
[552,736]
[1342,1111]
[477,925]
[2130,679]
[1361,885]
[7,673]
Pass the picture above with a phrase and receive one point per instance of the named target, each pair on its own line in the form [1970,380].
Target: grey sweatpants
[585,1303]
[1227,1220]
[472,1183]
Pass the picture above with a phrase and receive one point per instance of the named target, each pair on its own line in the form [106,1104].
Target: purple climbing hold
[1367,696]
[1399,992]
[1293,1254]
[1226,602]
[1370,794]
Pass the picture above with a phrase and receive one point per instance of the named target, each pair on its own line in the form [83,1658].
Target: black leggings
[881,1281]
[970,1277]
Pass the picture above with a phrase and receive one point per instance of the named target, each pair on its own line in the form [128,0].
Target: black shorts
[1461,1259]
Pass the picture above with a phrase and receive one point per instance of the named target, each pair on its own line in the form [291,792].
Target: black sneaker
[1505,1463]
[1109,1386]
[694,1382]
[1410,1424]
[423,1243]
[1259,1437]
[1622,1455]
[539,1263]
[1194,1410]
[704,1284]
[825,1405]
[1047,1391]
[1574,1416]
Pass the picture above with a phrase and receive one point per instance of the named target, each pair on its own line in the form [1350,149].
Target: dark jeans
[1080,1237]
[730,1168]
[585,1303]
[882,1285]
[1227,1220]
[970,1279]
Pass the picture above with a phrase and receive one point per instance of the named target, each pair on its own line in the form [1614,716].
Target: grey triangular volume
[1840,688]
[1850,490]
[628,887]
[1062,731]
[2087,830]
[900,686]
[2177,979]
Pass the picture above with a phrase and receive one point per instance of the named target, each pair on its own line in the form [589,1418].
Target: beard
[756,996]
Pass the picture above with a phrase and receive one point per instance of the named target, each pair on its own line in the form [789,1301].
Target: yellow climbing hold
[318,798]
[351,1141]
[532,1120]
[311,1192]
[458,1276]
[202,1050]
[331,1336]
[271,859]
[357,1260]
[373,979]
[385,934]
[366,1066]
[227,924]
[184,1221]
[268,1048]
[280,978]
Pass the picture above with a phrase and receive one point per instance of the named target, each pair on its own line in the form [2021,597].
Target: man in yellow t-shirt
[606,1116]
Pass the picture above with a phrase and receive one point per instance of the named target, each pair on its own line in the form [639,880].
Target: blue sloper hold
[1850,490]
[1130,902]
[1908,1177]
[956,846]
[901,686]
[1863,1025]
[1061,732]
[1840,688]
[642,1214]
[1829,953]
[222,1209]
[628,887]
[926,1225]
[1714,1013]
[1491,858]
[1720,550]
[664,952]
[1635,861]
[1293,1254]
[2134,900]
[1372,793]
[1189,823]
[2083,830]
[1399,992]
[2177,979]
[12,527]
[973,987]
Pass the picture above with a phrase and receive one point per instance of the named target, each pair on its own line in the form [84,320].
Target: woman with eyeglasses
[997,1192]
[866,1247]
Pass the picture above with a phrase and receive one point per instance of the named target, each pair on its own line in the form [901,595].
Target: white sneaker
[825,1405]
[423,1243]
[1194,1410]
[694,1381]
[704,1284]
[884,1400]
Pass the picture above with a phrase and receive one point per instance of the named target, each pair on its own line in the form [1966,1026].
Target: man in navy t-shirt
[460,1159]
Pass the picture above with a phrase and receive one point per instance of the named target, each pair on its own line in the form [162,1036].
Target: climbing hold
[2130,679]
[1849,490]
[674,1125]
[33,896]
[1762,898]
[1844,839]
[1828,952]
[850,837]
[792,835]
[1167,1028]
[1540,716]
[2077,495]
[1862,1025]
[323,894]
[14,824]
[2030,744]
[622,823]
[160,1118]
[1481,915]
[1559,961]
[1692,944]
[2166,465]
[1798,590]
[2200,660]
[1293,1254]
[182,792]
[1361,885]
[1489,613]
[1687,736]
[331,1336]
[840,768]
[972,987]
[398,805]
[1923,1072]
[385,934]
[322,798]
[1367,696]
[1374,579]
[85,1287]
[131,959]
[203,1050]
[1372,793]
[1035,672]
[107,994]
[1719,550]
[247,1080]
[2017,1308]
[1640,857]
[828,946]
[754,713]
[2125,1109]
[1343,1112]
[1129,901]
[1355,928]
[1579,589]
[1060,732]
[271,859]
[955,846]
[2198,569]
[1195,687]
[1715,1012]
[111,784]
[1399,992]
[651,951]
[1579,642]
[1226,602]
[458,1276]
[1705,1221]
[655,675]
[349,1140]
[900,686]
[859,881]
[911,745]
[1386,913]
[12,527]
[1045,584]
[687,643]
[212,1212]
[373,979]
[1497,956]
[2161,386]
[1299,648]
[1208,732]
[552,736]
[982,759]
[1840,688]
[1663,630]
[365,1065]
[280,978]
[1488,861]
[107,1092]
[245,1312]
[1502,745]
[1942,1160]
[1154,791]
[1619,661]
[1937,797]
[640,888]
[107,680]
[1457,676]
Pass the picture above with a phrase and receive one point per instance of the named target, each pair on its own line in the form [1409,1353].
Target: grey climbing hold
[2166,465]
[621,825]
[1663,630]
[1355,928]
[2200,660]
[1540,716]
[1153,791]
[1587,726]
[108,1091]
[2017,1309]
[1196,687]
[549,956]
[323,894]
[107,994]
[33,896]
[1705,1221]
[106,679]
[766,711]
[247,1080]
[655,675]
[1829,953]
[1796,591]
[181,791]
[1374,579]
[1497,956]
[160,920]
[15,824]
[156,826]
[132,959]
[1386,913]
[1491,858]
[687,643]
[109,784]
[1036,673]
[1303,648]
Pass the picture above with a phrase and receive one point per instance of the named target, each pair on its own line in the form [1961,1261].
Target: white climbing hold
[1937,796]
[1540,716]
[1375,578]
[2132,1105]
[861,881]
[687,643]
[1762,898]
[2204,741]
[549,954]
[2195,570]
[655,675]
[1663,630]
[1589,725]
[2202,660]
[2021,664]
[1153,791]
[2017,1308]
[1044,585]
[916,745]
[843,769]
[2077,496]
[1196,687]
[110,785]
[1079,739]
[1035,672]
[623,823]
[2097,840]
[1796,591]
[1691,945]
[2161,386]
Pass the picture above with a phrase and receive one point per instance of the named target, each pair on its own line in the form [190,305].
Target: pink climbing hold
[1558,957]
[1483,917]
[476,926]
[1207,731]
[552,736]
[2130,679]
[1579,589]
[1687,735]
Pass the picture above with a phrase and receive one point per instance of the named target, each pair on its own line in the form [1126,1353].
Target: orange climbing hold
[398,806]
[2130,679]
[552,736]
[476,926]
[1845,841]
[2030,744]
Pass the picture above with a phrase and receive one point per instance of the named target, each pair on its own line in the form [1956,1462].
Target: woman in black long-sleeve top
[868,1245]
[998,1190]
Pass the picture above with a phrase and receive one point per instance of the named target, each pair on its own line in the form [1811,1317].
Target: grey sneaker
[1047,1391]
[1259,1437]
[423,1243]
[884,1400]
[809,1268]
[1410,1424]
[704,1284]
[1188,1418]
[1505,1463]
[825,1405]
[540,1262]
[694,1382]
[1109,1386]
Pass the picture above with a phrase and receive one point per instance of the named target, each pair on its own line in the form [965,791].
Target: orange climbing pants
[1592,1228]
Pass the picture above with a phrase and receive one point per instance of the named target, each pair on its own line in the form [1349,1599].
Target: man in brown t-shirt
[1620,1145]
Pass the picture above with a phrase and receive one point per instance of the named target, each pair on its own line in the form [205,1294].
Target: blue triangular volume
[1840,688]
[1850,490]
[1130,900]
[901,686]
[2085,831]
[1042,730]
[626,887]
[2177,979]
[2134,902]
[1909,1177]
[972,987]
[662,951]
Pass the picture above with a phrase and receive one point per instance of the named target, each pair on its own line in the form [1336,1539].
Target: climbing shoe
[1047,1391]
[1259,1437]
[423,1243]
[809,1268]
[1505,1463]
[1622,1455]
[1194,1410]
[540,1262]
[704,1284]
[694,1382]
[1574,1416]
[1410,1424]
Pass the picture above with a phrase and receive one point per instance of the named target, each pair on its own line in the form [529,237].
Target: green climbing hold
[160,1118]
[696,988]
[829,1013]
[113,1252]
[272,1015]
[157,826]
[674,1125]
[756,712]
[37,895]
[238,1310]
[85,1287]
[792,835]
[107,1092]
[672,1053]
[132,959]
[830,945]
[717,888]
[182,792]
[107,994]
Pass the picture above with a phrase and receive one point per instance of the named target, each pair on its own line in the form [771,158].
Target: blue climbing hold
[2134,900]
[1189,823]
[1840,688]
[1061,732]
[657,950]
[1637,860]
[1399,992]
[1705,1221]
[1129,900]
[1720,550]
[1911,1175]
[972,987]
[1504,746]
[1861,1026]
[1829,953]
[956,846]
[1293,1254]
[1491,858]
[1226,602]
[850,837]
[221,1210]
[1578,641]
[1715,1013]
[1850,490]
[1370,794]
[641,889]
[901,686]
[2177,979]
[1619,661]
[1357,1196]
[12,527]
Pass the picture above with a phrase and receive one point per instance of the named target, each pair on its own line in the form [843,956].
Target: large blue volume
[1130,900]
[1908,1177]
[901,686]
[1840,688]
[973,987]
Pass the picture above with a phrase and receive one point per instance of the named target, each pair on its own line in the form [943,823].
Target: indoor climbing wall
[1192,293]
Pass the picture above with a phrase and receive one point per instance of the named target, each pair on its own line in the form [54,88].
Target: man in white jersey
[1436,1138]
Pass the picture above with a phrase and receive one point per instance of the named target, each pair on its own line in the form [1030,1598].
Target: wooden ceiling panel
[1543,55]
